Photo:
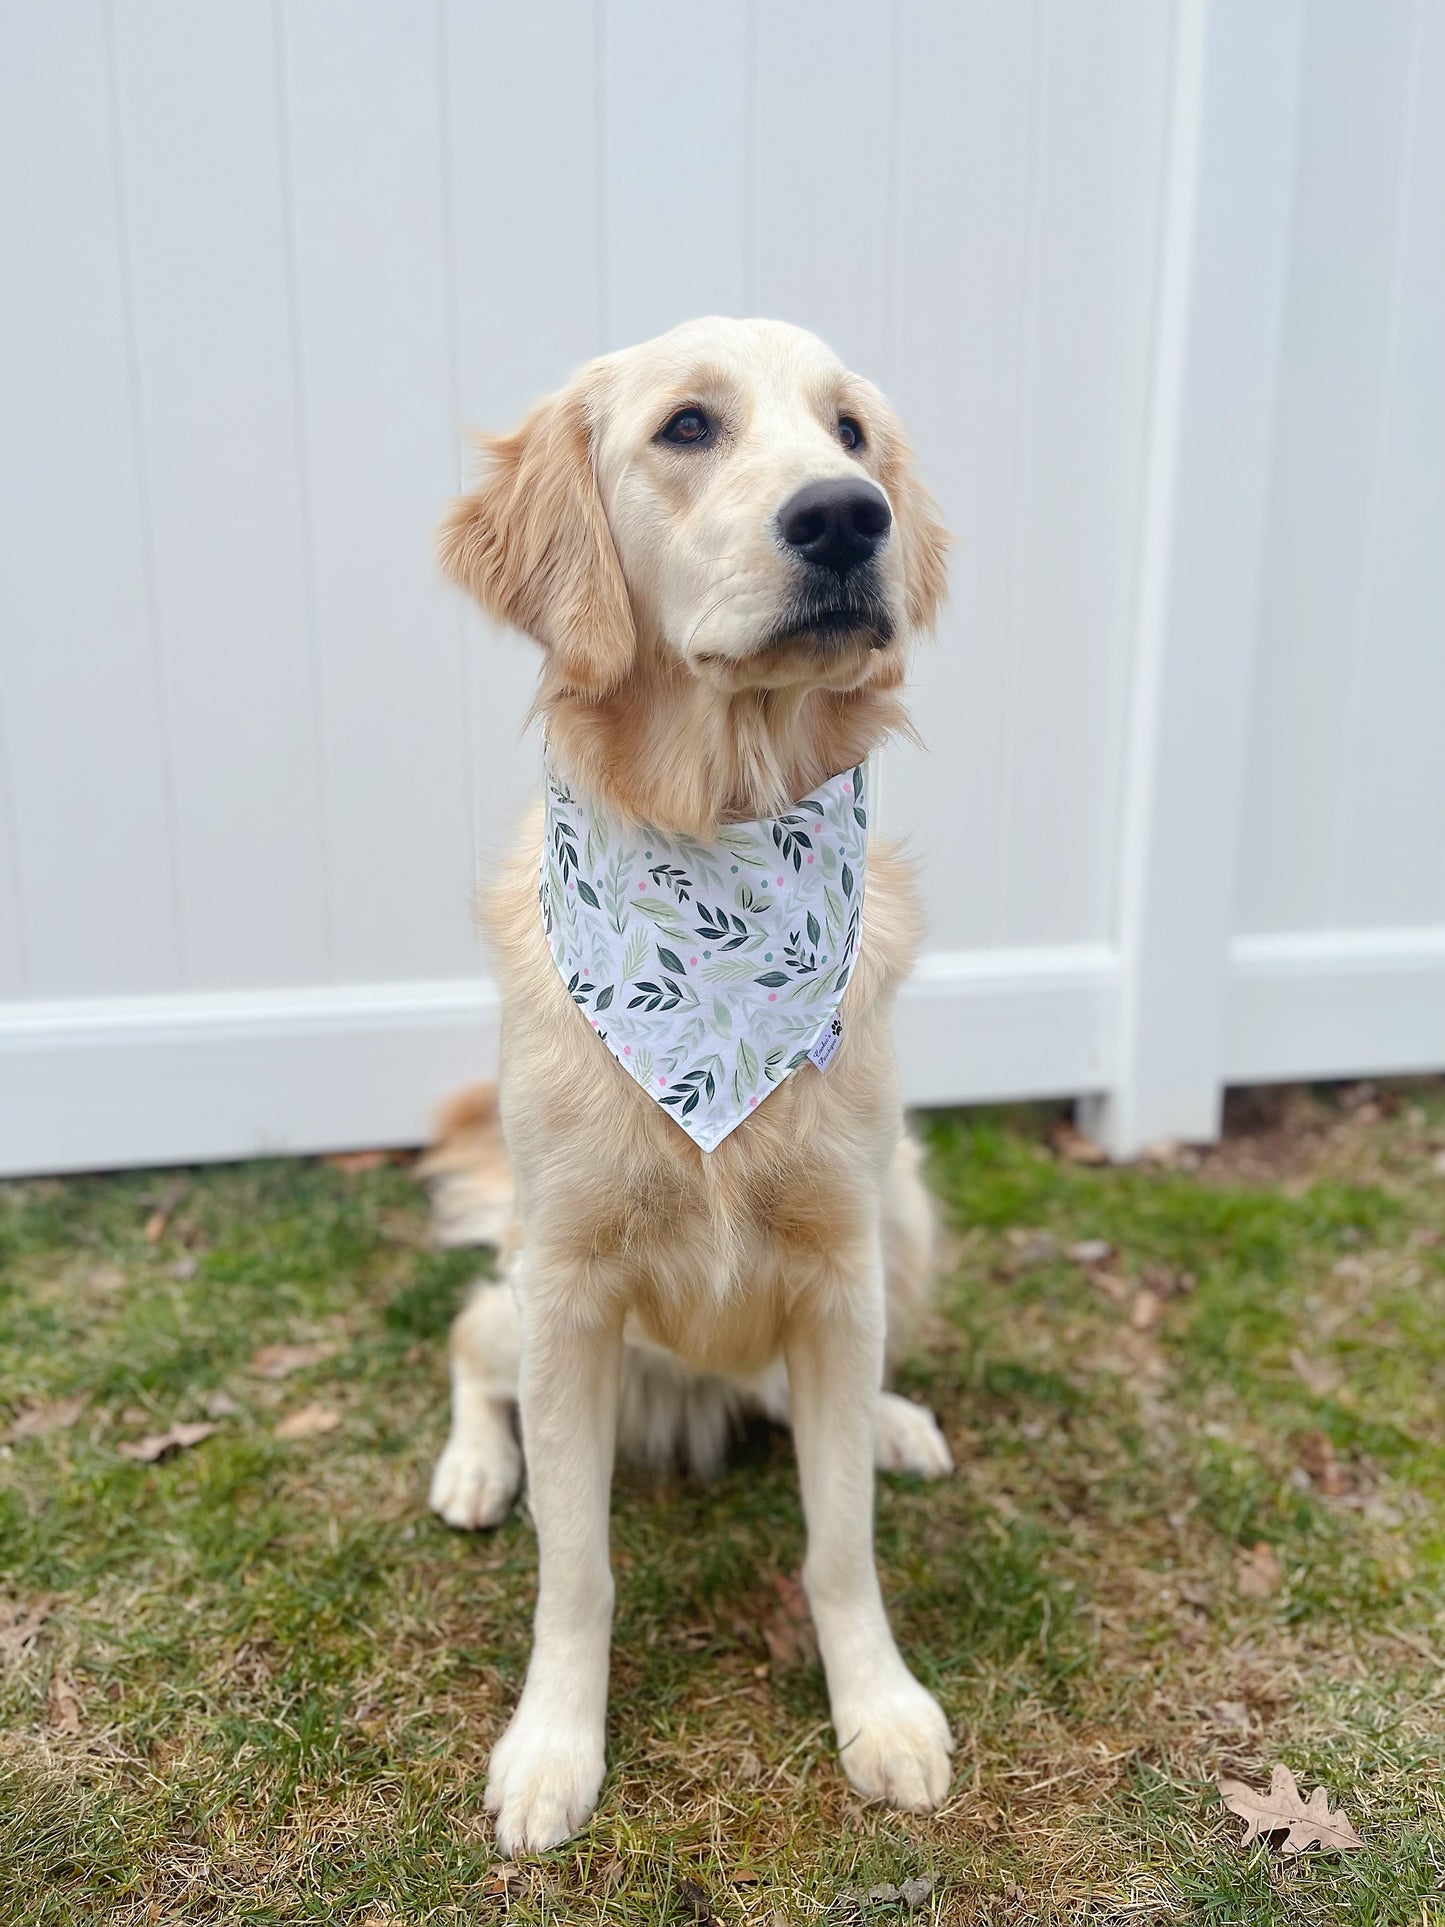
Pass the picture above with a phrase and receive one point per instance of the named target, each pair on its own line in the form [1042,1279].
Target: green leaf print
[635,955]
[587,893]
[615,890]
[670,960]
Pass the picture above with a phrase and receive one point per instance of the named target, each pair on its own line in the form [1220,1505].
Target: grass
[265,1680]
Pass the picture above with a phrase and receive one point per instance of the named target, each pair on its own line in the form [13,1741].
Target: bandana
[710,970]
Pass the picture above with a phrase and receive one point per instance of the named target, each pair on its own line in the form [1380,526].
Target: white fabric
[709,970]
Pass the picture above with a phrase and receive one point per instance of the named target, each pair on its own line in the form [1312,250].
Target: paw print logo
[837,1026]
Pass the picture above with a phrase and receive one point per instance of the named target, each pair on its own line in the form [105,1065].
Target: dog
[721,542]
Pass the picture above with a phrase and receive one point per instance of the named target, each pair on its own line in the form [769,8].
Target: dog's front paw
[542,1782]
[472,1486]
[895,1746]
[907,1438]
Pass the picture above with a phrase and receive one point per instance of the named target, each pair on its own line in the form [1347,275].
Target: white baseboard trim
[992,1026]
[91,1085]
[188,1079]
[1335,1003]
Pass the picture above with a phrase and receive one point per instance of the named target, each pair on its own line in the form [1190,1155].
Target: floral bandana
[709,970]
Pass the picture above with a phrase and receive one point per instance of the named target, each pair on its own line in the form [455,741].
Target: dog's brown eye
[687,428]
[849,433]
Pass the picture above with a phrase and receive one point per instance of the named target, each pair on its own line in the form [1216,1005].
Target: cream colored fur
[653,1292]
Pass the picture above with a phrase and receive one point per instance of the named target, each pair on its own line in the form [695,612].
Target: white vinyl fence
[1160,289]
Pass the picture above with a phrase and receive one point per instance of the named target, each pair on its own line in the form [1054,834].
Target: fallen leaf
[1075,1147]
[308,1422]
[279,1361]
[1319,1376]
[1091,1251]
[62,1705]
[164,1445]
[354,1163]
[1230,1713]
[1281,1810]
[20,1623]
[1170,1153]
[1258,1574]
[789,1629]
[58,1416]
[1317,1456]
[105,1278]
[1033,1247]
[696,1899]
[1146,1310]
[155,1224]
[750,1767]
[1165,1282]
[1114,1288]
[221,1405]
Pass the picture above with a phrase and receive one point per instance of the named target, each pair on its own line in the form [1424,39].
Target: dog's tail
[468,1173]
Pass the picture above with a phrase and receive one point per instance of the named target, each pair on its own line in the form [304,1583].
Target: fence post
[1221,286]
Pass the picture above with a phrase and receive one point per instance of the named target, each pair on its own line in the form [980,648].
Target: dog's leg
[892,1735]
[546,1770]
[906,1435]
[477,1475]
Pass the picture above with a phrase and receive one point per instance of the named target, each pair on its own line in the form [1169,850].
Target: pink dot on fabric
[847,789]
[772,996]
[627,1050]
[780,883]
[691,961]
[752,1103]
[810,859]
[642,886]
[663,1082]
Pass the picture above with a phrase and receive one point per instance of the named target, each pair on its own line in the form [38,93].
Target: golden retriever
[721,542]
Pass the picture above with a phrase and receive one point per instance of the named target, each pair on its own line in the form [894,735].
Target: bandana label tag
[826,1048]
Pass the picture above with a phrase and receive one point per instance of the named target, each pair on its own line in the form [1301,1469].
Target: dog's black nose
[836,524]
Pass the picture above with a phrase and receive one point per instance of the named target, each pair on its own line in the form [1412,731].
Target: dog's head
[728,500]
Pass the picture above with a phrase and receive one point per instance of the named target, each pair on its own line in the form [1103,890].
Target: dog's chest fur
[707,1251]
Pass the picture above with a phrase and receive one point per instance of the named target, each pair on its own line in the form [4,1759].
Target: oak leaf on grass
[1258,1573]
[309,1422]
[279,1361]
[62,1705]
[1304,1823]
[39,1420]
[164,1445]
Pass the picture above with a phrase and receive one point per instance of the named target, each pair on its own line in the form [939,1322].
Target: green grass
[286,1675]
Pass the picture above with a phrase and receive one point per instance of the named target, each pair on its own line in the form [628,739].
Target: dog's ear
[532,544]
[923,540]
